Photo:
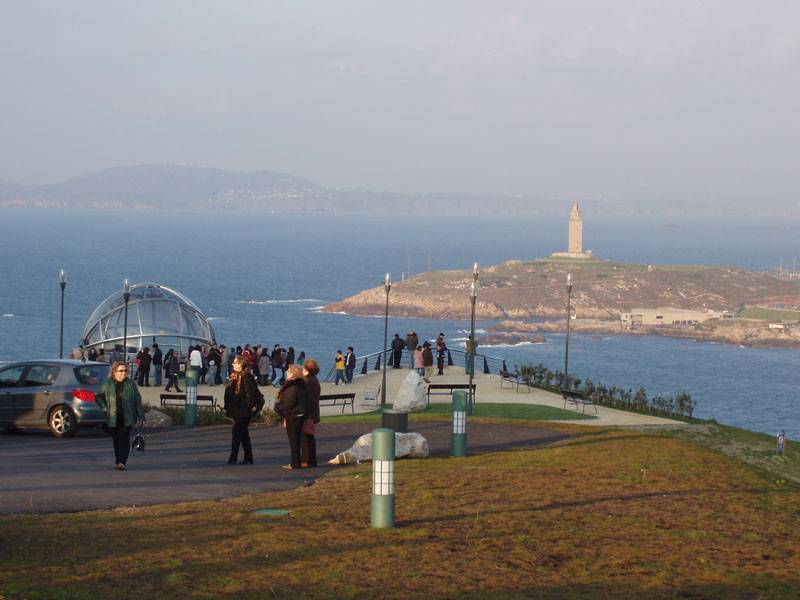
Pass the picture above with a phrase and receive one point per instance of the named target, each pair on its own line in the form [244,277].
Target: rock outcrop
[740,333]
[411,396]
[156,418]
[408,445]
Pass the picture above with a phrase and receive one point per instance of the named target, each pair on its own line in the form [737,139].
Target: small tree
[640,399]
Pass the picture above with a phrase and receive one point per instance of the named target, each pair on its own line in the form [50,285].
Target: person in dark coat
[441,348]
[308,443]
[241,400]
[145,360]
[427,361]
[349,364]
[397,350]
[290,403]
[277,363]
[171,369]
[120,399]
[213,359]
[158,361]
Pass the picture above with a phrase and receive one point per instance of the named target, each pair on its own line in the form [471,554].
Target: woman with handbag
[120,399]
[241,398]
[308,441]
[290,403]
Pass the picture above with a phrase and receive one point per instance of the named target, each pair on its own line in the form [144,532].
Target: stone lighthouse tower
[575,231]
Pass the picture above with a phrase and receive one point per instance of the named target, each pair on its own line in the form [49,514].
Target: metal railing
[372,362]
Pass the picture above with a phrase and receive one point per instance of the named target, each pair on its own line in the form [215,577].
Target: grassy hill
[601,289]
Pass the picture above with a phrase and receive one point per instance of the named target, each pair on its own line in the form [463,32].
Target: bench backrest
[337,396]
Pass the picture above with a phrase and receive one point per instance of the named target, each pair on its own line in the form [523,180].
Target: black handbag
[137,445]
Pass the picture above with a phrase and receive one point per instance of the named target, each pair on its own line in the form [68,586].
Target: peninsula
[516,292]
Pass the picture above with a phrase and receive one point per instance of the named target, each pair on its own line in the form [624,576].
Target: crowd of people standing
[242,370]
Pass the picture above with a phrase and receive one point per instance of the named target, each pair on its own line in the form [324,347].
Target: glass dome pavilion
[155,314]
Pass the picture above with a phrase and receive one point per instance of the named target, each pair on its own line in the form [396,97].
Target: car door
[9,382]
[36,393]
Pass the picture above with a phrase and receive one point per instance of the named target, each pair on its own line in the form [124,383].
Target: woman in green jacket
[121,401]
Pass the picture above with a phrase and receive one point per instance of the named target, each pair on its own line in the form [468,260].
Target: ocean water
[261,278]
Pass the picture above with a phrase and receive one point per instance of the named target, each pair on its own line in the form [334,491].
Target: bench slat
[577,398]
[345,398]
[514,380]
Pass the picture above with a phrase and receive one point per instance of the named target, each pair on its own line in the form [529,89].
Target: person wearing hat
[412,341]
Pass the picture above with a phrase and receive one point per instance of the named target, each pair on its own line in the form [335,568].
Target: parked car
[53,393]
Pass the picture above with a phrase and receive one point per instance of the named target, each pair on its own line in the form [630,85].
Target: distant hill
[181,187]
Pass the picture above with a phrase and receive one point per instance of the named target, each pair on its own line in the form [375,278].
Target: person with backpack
[213,359]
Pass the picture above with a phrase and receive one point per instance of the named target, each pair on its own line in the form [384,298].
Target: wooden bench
[450,387]
[180,400]
[334,398]
[514,380]
[577,398]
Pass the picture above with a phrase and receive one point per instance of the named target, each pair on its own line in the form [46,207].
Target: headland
[603,292]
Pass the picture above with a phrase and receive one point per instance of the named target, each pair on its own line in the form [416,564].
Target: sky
[634,101]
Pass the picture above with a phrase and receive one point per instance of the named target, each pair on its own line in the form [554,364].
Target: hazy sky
[680,100]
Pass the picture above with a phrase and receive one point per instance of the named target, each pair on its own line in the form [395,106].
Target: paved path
[40,473]
[487,390]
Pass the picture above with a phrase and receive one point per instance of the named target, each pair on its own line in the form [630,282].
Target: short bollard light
[383,478]
[192,376]
[458,439]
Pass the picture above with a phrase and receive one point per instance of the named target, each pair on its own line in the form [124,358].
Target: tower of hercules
[575,245]
[575,231]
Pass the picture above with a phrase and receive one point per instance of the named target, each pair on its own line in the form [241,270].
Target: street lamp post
[126,287]
[386,286]
[63,282]
[473,289]
[566,345]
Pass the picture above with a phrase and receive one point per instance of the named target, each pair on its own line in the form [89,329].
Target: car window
[10,377]
[90,374]
[42,375]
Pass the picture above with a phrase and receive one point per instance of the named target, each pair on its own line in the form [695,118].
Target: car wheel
[62,422]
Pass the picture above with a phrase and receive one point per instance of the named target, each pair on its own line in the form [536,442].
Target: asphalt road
[41,473]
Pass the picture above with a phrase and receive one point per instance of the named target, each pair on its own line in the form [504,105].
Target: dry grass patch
[604,514]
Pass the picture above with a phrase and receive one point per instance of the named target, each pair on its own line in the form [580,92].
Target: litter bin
[396,420]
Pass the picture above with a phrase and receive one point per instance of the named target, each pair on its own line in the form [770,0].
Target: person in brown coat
[308,443]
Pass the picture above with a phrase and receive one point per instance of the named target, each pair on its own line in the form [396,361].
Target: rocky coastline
[745,334]
[516,292]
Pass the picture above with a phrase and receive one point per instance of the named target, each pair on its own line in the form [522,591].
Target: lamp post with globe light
[126,292]
[387,286]
[473,297]
[566,345]
[63,282]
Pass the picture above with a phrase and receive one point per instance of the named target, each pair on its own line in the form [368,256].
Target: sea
[262,278]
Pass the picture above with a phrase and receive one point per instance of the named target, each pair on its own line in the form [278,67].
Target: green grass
[770,314]
[602,514]
[526,412]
